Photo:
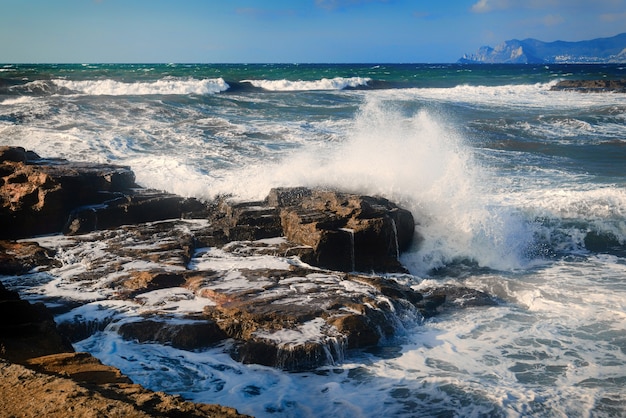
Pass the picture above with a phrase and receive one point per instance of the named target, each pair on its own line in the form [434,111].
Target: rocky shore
[591,86]
[294,281]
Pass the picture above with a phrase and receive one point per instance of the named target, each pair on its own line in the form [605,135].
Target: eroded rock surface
[41,375]
[42,196]
[172,287]
[293,280]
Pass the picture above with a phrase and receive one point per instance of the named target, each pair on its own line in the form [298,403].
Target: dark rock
[6,294]
[133,207]
[21,257]
[17,154]
[27,330]
[359,330]
[78,329]
[246,221]
[42,196]
[348,232]
[182,335]
[591,86]
[457,297]
[305,356]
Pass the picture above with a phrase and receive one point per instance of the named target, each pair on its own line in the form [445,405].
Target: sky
[288,31]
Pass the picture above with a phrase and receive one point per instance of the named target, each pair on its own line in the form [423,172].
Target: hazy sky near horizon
[288,31]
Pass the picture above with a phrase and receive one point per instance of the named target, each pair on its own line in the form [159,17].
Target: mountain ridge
[534,51]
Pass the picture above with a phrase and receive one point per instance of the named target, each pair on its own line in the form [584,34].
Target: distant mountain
[532,51]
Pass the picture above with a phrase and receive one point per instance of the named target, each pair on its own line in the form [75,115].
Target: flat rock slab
[159,282]
[281,277]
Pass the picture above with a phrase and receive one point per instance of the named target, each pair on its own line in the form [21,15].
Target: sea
[517,190]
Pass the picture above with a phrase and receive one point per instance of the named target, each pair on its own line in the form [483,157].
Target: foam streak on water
[517,191]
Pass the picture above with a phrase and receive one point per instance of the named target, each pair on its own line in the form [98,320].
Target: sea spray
[539,170]
[417,159]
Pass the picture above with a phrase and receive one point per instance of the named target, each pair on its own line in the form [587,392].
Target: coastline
[289,314]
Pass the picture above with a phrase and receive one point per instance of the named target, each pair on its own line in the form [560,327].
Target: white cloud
[613,17]
[553,20]
[484,6]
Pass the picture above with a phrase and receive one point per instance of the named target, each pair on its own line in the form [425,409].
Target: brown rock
[80,367]
[21,257]
[37,196]
[347,232]
[302,319]
[145,281]
[32,394]
[16,154]
[190,335]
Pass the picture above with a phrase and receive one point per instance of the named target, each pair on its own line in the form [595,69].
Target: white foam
[164,86]
[511,95]
[218,259]
[310,331]
[337,83]
[12,101]
[170,173]
[172,300]
[420,162]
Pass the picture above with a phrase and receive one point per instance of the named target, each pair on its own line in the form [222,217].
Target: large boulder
[346,232]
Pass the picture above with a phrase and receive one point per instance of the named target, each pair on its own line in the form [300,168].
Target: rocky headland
[294,281]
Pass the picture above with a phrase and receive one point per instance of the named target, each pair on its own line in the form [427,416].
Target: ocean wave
[164,86]
[337,83]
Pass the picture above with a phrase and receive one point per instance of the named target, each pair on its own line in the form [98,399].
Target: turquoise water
[518,191]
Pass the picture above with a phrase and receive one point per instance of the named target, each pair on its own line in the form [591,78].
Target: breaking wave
[337,83]
[163,86]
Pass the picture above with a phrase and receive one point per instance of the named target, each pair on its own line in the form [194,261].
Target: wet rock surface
[42,196]
[41,375]
[293,281]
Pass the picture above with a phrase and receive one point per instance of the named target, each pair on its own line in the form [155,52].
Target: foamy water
[507,183]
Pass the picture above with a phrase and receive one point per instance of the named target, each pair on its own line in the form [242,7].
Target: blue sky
[250,31]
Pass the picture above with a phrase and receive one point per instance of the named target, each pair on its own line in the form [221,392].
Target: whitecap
[337,83]
[163,86]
